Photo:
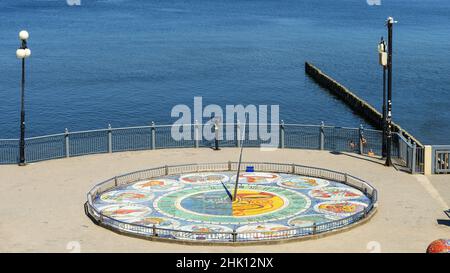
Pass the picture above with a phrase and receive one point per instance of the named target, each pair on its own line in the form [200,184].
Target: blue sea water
[128,62]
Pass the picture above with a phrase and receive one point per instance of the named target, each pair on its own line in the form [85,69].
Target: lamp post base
[388,163]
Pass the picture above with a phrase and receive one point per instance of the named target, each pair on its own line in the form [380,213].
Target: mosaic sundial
[267,202]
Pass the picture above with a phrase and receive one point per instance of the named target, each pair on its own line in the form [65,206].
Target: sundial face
[212,204]
[267,204]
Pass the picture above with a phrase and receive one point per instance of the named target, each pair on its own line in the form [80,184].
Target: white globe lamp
[27,52]
[20,53]
[24,35]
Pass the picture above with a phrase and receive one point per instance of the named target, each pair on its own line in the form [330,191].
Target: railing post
[234,236]
[166,168]
[428,160]
[115,181]
[216,136]
[238,134]
[196,134]
[361,139]
[154,231]
[109,139]
[153,139]
[414,154]
[314,229]
[322,136]
[346,178]
[282,134]
[408,152]
[229,165]
[292,168]
[66,141]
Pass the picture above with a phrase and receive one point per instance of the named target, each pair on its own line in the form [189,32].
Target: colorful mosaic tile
[125,196]
[257,178]
[157,185]
[125,212]
[335,193]
[204,178]
[300,182]
[267,204]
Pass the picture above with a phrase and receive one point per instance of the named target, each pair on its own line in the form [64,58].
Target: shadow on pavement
[363,157]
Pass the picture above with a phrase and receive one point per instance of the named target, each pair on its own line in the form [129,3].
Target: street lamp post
[22,53]
[390,23]
[383,62]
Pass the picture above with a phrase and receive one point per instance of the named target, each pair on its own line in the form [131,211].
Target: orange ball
[439,246]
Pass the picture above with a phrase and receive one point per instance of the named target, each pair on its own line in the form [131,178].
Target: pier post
[322,136]
[109,139]
[153,137]
[196,134]
[282,134]
[66,142]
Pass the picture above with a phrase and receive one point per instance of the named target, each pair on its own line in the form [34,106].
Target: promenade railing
[228,237]
[407,154]
[109,140]
[441,159]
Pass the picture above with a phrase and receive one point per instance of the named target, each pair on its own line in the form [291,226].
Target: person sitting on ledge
[364,141]
[352,145]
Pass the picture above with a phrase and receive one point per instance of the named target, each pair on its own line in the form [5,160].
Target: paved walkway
[41,205]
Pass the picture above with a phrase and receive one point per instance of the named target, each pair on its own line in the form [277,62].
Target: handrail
[191,124]
[404,139]
[40,137]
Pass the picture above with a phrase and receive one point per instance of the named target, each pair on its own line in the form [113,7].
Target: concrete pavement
[42,203]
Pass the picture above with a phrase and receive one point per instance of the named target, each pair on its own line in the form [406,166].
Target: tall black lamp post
[383,62]
[22,53]
[390,24]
